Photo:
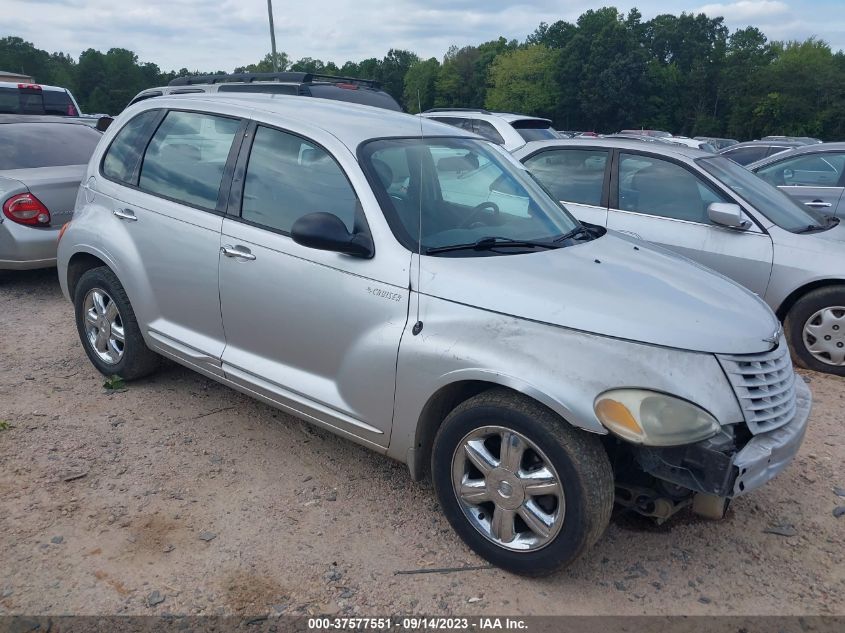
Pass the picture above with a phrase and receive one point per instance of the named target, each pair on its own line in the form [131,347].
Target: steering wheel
[476,211]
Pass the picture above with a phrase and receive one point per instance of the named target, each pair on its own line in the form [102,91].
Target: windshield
[768,200]
[463,190]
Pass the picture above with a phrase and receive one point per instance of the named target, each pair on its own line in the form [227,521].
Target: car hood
[612,286]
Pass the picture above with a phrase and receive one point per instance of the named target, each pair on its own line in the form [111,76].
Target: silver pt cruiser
[411,287]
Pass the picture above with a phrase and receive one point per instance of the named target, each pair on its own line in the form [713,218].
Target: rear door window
[29,145]
[186,157]
[571,175]
[288,177]
[488,131]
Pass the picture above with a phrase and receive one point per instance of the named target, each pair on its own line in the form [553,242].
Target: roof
[6,73]
[816,148]
[40,118]
[14,84]
[479,112]
[350,123]
[665,149]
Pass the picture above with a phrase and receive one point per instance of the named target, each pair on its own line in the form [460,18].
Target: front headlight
[654,419]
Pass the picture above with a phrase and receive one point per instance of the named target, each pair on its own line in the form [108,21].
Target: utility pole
[272,36]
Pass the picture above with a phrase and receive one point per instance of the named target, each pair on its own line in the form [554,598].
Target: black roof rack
[283,77]
[480,110]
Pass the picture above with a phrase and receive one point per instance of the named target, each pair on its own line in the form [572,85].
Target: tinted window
[58,102]
[770,201]
[658,187]
[747,155]
[571,175]
[486,129]
[534,129]
[21,101]
[125,151]
[288,177]
[279,89]
[464,124]
[186,157]
[807,170]
[27,145]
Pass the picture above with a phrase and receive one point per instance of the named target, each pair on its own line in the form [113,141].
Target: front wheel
[521,487]
[815,329]
[108,328]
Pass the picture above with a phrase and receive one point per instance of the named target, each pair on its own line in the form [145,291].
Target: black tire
[137,360]
[796,319]
[578,457]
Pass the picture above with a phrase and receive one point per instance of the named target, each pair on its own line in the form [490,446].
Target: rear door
[167,207]
[314,331]
[815,179]
[665,202]
[576,177]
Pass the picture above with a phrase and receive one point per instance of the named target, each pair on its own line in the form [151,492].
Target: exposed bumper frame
[704,468]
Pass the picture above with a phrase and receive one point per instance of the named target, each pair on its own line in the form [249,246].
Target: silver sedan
[42,160]
[719,214]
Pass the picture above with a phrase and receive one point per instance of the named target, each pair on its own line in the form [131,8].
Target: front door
[816,180]
[315,332]
[666,203]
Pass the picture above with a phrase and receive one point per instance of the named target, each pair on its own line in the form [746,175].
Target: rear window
[36,101]
[28,145]
[364,96]
[534,129]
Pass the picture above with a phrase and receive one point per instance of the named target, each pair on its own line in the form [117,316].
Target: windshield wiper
[489,243]
[829,222]
[577,231]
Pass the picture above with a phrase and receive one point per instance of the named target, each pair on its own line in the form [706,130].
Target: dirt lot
[179,495]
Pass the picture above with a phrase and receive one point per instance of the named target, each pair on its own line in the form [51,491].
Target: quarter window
[125,151]
[808,170]
[288,177]
[571,175]
[657,187]
[186,157]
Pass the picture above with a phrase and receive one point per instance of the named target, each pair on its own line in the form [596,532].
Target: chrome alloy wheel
[103,326]
[824,335]
[508,489]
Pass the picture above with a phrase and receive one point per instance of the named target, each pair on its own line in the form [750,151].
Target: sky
[222,34]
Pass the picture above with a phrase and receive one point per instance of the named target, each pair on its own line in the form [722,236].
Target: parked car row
[539,368]
[539,364]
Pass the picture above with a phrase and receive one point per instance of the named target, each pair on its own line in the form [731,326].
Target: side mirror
[327,232]
[103,123]
[727,214]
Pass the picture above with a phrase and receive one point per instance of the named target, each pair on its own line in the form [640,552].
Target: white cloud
[745,9]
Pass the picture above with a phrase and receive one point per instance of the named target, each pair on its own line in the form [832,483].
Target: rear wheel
[520,486]
[815,329]
[108,329]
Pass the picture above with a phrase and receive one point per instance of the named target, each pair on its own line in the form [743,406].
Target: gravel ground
[178,495]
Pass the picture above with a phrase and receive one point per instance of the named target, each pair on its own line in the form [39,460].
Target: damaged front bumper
[706,468]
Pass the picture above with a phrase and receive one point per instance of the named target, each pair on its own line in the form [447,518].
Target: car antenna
[418,326]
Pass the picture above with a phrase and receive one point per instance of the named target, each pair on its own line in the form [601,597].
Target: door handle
[818,204]
[240,252]
[125,214]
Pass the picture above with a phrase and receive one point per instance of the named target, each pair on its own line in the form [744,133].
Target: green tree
[420,85]
[523,80]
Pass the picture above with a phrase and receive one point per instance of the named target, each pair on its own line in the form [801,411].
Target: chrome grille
[765,386]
